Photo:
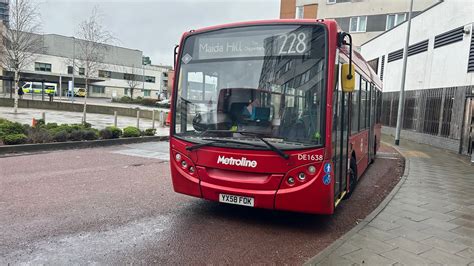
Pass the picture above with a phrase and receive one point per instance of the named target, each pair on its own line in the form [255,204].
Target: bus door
[371,106]
[340,140]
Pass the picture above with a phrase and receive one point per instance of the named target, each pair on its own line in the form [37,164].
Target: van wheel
[352,178]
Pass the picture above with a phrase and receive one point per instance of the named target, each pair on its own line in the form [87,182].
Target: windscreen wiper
[212,141]
[253,134]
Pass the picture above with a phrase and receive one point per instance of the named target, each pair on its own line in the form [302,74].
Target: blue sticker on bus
[327,179]
[327,168]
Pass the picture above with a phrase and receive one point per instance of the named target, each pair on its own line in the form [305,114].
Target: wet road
[116,205]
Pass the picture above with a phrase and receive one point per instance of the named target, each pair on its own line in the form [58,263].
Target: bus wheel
[352,178]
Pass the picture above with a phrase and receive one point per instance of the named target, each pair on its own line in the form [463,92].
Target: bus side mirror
[348,78]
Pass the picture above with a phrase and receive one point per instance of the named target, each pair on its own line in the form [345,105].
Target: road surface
[116,205]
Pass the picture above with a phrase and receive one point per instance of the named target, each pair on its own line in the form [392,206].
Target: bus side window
[355,105]
[363,103]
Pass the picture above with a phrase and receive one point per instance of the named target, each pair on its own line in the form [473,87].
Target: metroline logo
[239,162]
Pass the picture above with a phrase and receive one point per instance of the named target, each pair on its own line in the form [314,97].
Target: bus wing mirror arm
[347,73]
[175,54]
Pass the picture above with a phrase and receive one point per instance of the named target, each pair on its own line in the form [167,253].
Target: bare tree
[21,42]
[92,46]
[133,78]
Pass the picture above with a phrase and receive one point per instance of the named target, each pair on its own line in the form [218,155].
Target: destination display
[297,42]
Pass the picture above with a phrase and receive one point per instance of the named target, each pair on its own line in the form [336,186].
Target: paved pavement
[94,101]
[430,220]
[99,121]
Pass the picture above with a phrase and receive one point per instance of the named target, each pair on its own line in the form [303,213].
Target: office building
[4,11]
[364,19]
[439,106]
[121,70]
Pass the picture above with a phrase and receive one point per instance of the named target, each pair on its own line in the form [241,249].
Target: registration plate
[238,200]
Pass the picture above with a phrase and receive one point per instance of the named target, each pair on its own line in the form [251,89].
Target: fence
[433,112]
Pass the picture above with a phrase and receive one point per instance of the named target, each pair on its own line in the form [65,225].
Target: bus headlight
[311,169]
[177,157]
[184,164]
[291,180]
[301,176]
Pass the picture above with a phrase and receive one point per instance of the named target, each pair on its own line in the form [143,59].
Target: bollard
[153,119]
[43,116]
[162,119]
[115,118]
[138,119]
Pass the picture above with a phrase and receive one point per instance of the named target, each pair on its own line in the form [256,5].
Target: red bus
[277,114]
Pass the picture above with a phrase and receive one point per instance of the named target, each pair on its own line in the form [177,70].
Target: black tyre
[352,178]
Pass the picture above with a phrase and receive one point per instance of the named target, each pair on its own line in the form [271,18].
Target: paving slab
[428,220]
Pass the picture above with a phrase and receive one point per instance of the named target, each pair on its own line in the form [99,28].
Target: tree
[92,46]
[21,42]
[133,79]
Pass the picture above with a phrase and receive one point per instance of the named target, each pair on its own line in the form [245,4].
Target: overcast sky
[153,26]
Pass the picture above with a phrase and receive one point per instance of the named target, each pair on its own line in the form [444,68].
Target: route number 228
[293,43]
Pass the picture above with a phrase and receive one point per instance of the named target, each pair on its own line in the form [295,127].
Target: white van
[36,87]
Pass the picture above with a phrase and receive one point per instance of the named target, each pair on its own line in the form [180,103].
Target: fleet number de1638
[310,157]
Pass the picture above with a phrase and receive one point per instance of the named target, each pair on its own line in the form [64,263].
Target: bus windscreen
[267,79]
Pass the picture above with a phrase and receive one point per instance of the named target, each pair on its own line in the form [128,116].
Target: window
[146,93]
[299,12]
[363,105]
[104,74]
[394,19]
[128,76]
[69,70]
[358,24]
[150,79]
[82,71]
[355,106]
[331,1]
[98,89]
[125,91]
[42,67]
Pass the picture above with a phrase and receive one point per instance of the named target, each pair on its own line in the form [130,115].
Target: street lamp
[401,100]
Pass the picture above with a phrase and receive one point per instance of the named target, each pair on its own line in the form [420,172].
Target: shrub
[149,132]
[87,125]
[130,132]
[110,133]
[10,128]
[149,102]
[14,139]
[90,134]
[39,135]
[105,133]
[60,136]
[40,122]
[76,135]
[51,125]
[125,99]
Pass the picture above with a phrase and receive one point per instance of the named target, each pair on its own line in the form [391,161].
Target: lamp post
[401,100]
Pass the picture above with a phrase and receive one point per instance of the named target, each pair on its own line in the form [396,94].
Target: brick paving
[430,220]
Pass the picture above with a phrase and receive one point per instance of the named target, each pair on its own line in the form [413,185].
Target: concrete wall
[62,46]
[445,66]
[440,142]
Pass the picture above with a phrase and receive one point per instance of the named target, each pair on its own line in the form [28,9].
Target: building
[4,11]
[364,19]
[438,109]
[121,73]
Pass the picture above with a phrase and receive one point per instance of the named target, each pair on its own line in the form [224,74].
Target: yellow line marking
[340,198]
